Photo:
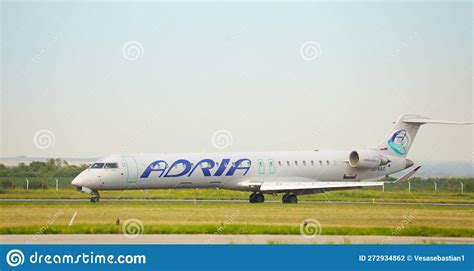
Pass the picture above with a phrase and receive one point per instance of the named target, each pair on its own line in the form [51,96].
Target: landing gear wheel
[256,198]
[289,198]
[95,196]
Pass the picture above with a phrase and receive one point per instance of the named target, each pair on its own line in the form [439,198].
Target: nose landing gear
[95,196]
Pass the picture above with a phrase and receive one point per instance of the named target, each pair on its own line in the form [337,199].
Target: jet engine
[367,159]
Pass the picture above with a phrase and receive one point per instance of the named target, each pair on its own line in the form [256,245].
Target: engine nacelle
[367,159]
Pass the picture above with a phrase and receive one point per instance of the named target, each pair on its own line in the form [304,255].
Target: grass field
[361,195]
[237,218]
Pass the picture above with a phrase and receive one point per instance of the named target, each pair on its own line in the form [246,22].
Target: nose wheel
[95,196]
[256,198]
[289,198]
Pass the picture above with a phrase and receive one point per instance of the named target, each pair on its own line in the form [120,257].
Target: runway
[237,201]
[224,239]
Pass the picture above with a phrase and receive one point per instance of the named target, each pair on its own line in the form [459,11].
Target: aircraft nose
[78,181]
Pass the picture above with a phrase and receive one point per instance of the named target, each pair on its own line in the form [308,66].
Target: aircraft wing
[311,187]
[406,176]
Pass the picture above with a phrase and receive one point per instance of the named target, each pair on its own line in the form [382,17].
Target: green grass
[237,218]
[237,229]
[362,195]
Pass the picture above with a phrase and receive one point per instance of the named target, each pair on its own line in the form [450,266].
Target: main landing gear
[289,198]
[95,196]
[256,198]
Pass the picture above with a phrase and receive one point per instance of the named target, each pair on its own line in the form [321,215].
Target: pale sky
[68,76]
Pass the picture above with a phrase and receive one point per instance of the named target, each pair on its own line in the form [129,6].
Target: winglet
[406,176]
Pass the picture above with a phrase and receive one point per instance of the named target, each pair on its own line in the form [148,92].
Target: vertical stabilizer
[403,132]
[401,136]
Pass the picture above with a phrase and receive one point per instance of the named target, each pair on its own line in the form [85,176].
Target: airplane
[288,173]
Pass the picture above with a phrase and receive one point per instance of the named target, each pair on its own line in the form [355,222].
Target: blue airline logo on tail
[399,142]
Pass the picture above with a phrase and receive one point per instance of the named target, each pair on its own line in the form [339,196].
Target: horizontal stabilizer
[430,121]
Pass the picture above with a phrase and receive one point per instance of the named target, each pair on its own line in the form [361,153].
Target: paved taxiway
[223,239]
[237,201]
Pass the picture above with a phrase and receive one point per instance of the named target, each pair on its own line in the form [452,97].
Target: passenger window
[288,163]
[327,162]
[320,162]
[279,163]
[312,162]
[98,165]
[296,163]
[304,163]
[111,165]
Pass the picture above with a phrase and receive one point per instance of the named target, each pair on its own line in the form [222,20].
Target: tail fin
[403,132]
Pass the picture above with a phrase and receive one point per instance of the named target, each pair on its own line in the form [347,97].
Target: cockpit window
[98,165]
[111,165]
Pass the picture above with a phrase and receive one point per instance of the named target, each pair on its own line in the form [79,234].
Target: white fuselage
[235,171]
[288,173]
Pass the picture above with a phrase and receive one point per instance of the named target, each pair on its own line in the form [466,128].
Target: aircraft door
[132,169]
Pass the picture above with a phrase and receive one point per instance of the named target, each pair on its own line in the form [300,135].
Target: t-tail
[398,142]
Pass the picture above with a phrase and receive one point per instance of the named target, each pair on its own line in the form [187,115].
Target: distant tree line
[50,168]
[41,174]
